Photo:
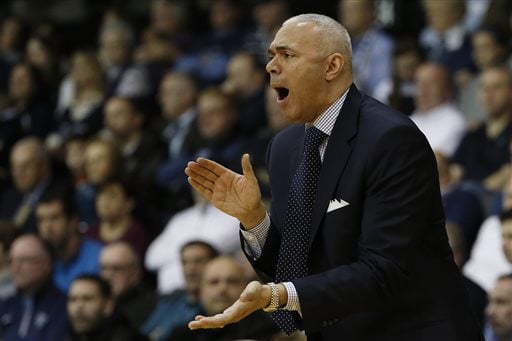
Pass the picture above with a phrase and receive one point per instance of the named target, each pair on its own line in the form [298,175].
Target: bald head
[433,86]
[29,163]
[332,36]
[120,266]
[31,263]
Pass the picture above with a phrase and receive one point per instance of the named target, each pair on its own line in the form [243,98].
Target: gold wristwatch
[274,298]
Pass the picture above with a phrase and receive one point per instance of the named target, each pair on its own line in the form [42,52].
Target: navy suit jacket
[380,267]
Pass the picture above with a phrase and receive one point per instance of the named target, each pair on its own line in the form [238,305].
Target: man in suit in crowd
[365,256]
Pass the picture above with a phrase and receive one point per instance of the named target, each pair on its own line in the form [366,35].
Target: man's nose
[272,66]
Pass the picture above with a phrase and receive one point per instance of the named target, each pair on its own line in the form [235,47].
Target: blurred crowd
[103,103]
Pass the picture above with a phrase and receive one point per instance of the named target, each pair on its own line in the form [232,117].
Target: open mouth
[282,93]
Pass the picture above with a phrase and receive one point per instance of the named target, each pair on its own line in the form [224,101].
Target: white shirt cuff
[255,238]
[293,303]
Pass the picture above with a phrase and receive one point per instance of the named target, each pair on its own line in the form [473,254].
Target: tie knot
[314,138]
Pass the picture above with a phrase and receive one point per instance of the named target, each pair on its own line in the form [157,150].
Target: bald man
[354,245]
[38,310]
[121,267]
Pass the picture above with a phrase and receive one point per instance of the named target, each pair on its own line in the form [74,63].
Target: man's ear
[334,66]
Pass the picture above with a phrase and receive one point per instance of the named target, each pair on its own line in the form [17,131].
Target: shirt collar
[325,122]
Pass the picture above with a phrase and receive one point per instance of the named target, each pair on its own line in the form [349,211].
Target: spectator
[142,152]
[445,38]
[485,150]
[114,204]
[246,81]
[477,296]
[398,91]
[436,116]
[461,205]
[121,267]
[38,310]
[124,77]
[57,224]
[499,311]
[80,102]
[487,260]
[103,161]
[30,170]
[182,305]
[200,222]
[490,49]
[221,285]
[41,53]
[7,235]
[90,306]
[372,49]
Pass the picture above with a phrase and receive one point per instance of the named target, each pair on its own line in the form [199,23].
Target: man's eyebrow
[279,48]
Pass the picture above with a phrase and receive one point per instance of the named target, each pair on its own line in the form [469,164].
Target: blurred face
[21,85]
[297,69]
[499,308]
[221,285]
[120,117]
[441,14]
[53,224]
[193,261]
[27,168]
[406,65]
[114,47]
[356,15]
[486,51]
[165,17]
[431,87]
[119,268]
[215,116]
[98,162]
[495,92]
[74,156]
[112,203]
[270,14]
[37,54]
[83,72]
[87,308]
[9,34]
[30,266]
[506,237]
[223,15]
[176,96]
[240,75]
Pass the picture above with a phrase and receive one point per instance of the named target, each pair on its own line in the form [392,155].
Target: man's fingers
[216,321]
[197,171]
[247,166]
[204,191]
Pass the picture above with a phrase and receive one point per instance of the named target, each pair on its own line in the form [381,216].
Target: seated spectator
[218,138]
[182,305]
[499,311]
[222,283]
[114,204]
[80,102]
[74,159]
[123,76]
[461,205]
[485,150]
[103,161]
[38,310]
[224,38]
[477,295]
[399,89]
[142,152]
[490,47]
[31,175]
[202,222]
[90,306]
[445,38]
[122,269]
[372,49]
[41,53]
[246,81]
[436,116]
[487,260]
[7,235]
[57,224]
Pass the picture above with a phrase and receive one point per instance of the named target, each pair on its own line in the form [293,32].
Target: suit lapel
[336,156]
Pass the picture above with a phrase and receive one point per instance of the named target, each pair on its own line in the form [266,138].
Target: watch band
[274,298]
